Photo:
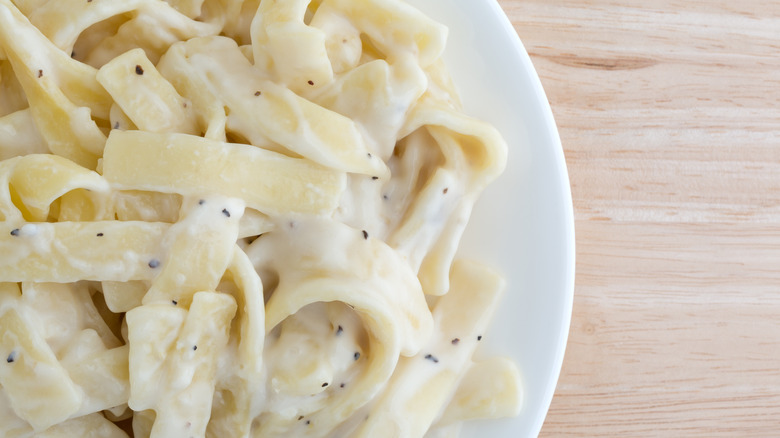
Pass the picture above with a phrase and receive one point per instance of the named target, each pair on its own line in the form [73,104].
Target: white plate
[524,222]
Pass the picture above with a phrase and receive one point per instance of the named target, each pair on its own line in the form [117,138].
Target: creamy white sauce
[314,351]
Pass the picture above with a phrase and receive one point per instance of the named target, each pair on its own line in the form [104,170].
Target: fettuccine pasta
[225,218]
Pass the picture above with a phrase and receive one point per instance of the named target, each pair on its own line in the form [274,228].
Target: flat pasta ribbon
[362,273]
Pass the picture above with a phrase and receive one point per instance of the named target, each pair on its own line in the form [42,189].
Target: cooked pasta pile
[234,218]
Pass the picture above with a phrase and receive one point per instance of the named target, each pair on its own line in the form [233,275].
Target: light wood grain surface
[669,113]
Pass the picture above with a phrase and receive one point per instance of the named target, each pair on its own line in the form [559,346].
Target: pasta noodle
[225,218]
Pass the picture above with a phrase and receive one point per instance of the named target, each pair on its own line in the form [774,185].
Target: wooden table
[669,113]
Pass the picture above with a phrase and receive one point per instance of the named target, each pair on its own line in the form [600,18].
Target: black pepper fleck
[194,347]
[139,70]
[257,93]
[325,384]
[455,341]
[385,197]
[300,418]
[342,385]
[116,125]
[11,357]
[339,330]
[72,54]
[201,202]
[446,189]
[226,212]
[40,73]
[100,234]
[308,422]
[357,355]
[174,302]
[365,234]
[311,82]
[15,232]
[369,155]
[479,338]
[375,178]
[153,263]
[432,358]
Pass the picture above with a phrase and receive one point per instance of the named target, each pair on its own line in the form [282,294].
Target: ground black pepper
[365,234]
[174,302]
[153,263]
[226,212]
[455,341]
[357,355]
[325,384]
[257,93]
[11,357]
[139,70]
[40,73]
[201,202]
[479,338]
[446,189]
[194,347]
[339,330]
[311,82]
[100,234]
[15,232]
[116,125]
[432,358]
